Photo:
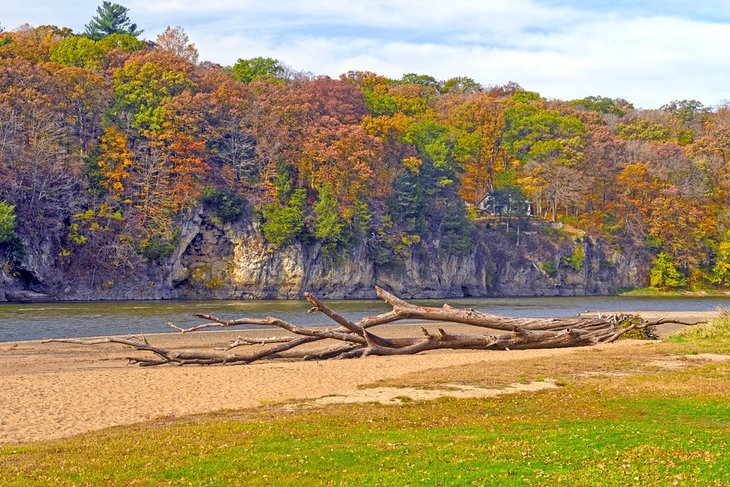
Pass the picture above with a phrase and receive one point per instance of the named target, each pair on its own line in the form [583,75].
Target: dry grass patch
[619,359]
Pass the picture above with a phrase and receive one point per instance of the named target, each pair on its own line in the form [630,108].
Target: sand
[56,390]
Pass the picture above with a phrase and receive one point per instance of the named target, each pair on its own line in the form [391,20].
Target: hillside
[129,169]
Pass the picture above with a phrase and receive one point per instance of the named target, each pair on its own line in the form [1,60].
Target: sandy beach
[55,390]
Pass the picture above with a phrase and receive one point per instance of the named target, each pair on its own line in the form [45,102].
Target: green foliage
[508,200]
[74,235]
[642,129]
[380,104]
[284,181]
[142,89]
[78,51]
[549,268]
[361,216]
[160,246]
[461,84]
[247,70]
[600,104]
[123,41]
[664,274]
[653,243]
[533,133]
[283,224]
[111,18]
[524,96]
[685,110]
[721,269]
[577,259]
[432,142]
[420,79]
[685,137]
[457,232]
[640,333]
[225,203]
[7,222]
[412,201]
[329,227]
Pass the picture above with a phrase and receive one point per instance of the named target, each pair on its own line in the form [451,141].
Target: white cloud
[562,52]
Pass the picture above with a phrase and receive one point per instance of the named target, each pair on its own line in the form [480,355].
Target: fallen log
[355,339]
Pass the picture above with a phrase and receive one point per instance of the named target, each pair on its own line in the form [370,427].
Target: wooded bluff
[128,169]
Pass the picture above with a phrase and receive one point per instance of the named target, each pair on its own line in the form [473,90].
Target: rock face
[233,261]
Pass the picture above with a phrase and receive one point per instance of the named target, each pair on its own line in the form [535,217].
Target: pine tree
[112,19]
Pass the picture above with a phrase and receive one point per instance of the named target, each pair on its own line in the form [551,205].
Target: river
[66,320]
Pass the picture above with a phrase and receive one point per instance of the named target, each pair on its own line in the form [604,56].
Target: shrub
[225,204]
[549,268]
[576,260]
[159,247]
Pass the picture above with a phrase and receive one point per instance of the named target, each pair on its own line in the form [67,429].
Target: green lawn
[657,428]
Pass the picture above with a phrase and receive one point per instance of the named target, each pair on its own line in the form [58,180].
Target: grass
[707,337]
[650,428]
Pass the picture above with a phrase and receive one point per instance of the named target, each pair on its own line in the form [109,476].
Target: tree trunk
[355,339]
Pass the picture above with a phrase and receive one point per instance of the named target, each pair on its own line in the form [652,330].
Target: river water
[66,320]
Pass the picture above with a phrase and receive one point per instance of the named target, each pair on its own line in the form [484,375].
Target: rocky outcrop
[233,261]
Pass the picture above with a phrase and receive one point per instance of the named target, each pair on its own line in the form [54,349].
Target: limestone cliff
[233,261]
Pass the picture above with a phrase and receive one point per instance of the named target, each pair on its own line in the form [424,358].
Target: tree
[476,127]
[144,85]
[461,84]
[4,39]
[721,270]
[457,233]
[124,42]
[420,79]
[642,129]
[115,163]
[355,340]
[600,104]
[283,224]
[685,110]
[175,41]
[111,19]
[247,70]
[664,274]
[78,51]
[328,224]
[509,201]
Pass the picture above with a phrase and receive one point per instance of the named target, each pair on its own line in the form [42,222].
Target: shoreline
[67,389]
[41,299]
[658,293]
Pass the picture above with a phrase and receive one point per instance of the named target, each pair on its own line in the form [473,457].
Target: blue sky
[649,52]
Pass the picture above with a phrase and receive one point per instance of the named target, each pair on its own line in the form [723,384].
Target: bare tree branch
[356,340]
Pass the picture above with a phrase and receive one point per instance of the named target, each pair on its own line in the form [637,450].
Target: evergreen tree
[283,224]
[7,222]
[111,19]
[329,227]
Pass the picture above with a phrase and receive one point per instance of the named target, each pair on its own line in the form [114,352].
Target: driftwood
[356,340]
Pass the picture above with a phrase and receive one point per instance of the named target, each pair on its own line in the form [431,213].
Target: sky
[648,52]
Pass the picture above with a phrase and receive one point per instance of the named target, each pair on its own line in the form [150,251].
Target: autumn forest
[107,141]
